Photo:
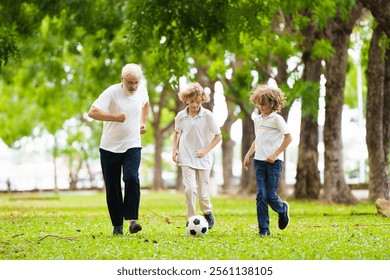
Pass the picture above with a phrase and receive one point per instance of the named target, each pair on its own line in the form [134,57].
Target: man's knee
[131,179]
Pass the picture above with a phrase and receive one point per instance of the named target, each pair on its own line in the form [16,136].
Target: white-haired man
[124,108]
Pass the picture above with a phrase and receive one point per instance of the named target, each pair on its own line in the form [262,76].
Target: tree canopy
[57,56]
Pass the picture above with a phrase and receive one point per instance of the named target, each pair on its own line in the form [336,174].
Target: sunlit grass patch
[74,227]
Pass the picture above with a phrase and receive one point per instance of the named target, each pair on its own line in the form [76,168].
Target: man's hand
[175,156]
[143,128]
[121,117]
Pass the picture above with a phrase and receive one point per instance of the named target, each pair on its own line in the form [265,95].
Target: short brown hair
[194,90]
[272,95]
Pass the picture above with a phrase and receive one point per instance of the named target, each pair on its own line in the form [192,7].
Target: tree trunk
[90,173]
[282,186]
[338,32]
[281,78]
[160,133]
[377,140]
[157,168]
[179,175]
[179,179]
[248,179]
[74,171]
[9,185]
[55,153]
[308,182]
[227,151]
[308,179]
[386,116]
[380,9]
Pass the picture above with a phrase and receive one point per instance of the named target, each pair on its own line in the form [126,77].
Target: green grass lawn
[77,227]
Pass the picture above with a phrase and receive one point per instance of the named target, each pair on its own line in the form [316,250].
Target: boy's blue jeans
[267,180]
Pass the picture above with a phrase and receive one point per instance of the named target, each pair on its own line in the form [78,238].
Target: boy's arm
[250,152]
[176,137]
[202,152]
[286,141]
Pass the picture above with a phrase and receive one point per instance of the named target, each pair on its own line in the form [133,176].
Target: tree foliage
[57,56]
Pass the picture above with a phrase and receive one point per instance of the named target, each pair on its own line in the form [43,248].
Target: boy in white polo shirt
[196,134]
[272,138]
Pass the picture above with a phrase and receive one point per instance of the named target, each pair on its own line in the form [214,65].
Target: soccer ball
[197,226]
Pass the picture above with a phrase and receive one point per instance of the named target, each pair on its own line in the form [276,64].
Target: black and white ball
[197,226]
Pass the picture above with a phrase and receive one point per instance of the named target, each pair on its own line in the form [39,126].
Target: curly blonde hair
[271,95]
[194,90]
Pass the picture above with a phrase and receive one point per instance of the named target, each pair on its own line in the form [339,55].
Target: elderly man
[124,108]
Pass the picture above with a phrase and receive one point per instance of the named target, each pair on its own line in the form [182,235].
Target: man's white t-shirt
[196,134]
[118,137]
[269,132]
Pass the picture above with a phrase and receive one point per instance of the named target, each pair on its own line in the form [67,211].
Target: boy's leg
[190,189]
[111,167]
[261,197]
[274,171]
[284,219]
[203,179]
[278,205]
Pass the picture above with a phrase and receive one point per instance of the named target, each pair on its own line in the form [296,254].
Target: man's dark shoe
[264,233]
[284,218]
[210,219]
[118,230]
[134,227]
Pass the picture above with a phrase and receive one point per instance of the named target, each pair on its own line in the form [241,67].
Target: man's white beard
[129,91]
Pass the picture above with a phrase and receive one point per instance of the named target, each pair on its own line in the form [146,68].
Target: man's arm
[102,115]
[144,117]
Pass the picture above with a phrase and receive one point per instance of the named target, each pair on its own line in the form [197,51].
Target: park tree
[377,140]
[209,68]
[305,22]
[378,100]
[19,20]
[164,36]
[164,105]
[59,55]
[56,57]
[338,31]
[180,30]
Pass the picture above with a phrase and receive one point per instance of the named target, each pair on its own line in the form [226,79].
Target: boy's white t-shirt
[269,132]
[196,134]
[118,137]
